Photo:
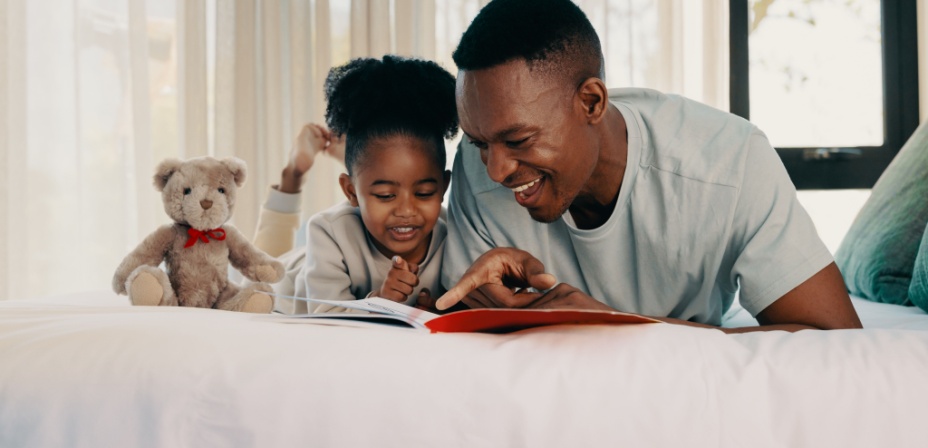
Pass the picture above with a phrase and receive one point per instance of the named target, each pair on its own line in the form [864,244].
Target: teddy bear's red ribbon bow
[217,234]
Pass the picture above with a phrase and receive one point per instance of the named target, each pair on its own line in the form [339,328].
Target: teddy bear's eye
[187,191]
[222,190]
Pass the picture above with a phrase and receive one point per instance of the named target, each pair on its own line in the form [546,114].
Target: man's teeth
[522,188]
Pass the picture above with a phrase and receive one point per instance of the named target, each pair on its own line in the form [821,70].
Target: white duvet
[89,370]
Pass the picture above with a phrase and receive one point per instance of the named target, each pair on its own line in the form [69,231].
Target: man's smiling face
[532,134]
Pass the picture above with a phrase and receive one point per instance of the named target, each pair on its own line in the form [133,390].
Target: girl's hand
[336,148]
[425,301]
[311,140]
[400,281]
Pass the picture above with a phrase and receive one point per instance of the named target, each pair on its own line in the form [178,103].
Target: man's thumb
[536,276]
[542,281]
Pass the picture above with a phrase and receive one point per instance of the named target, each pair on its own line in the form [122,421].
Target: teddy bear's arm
[254,264]
[150,251]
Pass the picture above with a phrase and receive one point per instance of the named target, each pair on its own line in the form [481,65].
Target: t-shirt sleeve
[277,223]
[774,243]
[325,274]
[467,235]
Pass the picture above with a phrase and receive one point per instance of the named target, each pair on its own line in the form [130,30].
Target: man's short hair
[552,36]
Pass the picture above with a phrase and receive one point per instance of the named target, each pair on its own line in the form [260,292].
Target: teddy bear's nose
[206,204]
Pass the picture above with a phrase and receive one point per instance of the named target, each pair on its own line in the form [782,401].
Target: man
[651,204]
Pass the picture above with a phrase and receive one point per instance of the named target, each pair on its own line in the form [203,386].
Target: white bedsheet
[88,370]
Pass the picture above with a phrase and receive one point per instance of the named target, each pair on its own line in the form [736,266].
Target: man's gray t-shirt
[705,207]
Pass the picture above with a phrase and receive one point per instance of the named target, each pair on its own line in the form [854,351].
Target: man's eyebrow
[501,135]
[518,127]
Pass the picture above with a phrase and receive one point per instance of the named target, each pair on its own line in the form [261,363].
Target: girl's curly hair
[371,98]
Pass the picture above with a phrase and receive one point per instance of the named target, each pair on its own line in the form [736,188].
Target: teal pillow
[877,257]
[918,290]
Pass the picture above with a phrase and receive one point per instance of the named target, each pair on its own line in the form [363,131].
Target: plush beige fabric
[199,195]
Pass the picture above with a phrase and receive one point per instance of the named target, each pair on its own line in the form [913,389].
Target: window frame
[845,167]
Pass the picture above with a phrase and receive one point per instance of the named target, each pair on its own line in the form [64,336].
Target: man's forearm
[775,327]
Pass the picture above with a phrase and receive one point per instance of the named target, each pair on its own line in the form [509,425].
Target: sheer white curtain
[678,46]
[94,93]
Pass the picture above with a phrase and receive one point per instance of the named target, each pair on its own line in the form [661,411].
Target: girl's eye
[383,197]
[222,190]
[187,191]
[426,194]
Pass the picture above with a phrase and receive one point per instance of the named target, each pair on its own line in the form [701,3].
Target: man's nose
[499,164]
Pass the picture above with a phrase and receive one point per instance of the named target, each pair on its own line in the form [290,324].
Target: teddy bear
[199,195]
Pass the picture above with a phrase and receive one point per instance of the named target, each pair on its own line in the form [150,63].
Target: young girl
[387,239]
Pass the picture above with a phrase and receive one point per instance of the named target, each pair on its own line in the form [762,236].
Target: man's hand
[496,279]
[565,296]
[400,282]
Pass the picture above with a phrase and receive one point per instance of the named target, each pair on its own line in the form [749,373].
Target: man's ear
[447,182]
[348,188]
[237,167]
[593,97]
[164,171]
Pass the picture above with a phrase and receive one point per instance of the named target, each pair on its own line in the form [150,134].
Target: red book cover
[496,320]
[380,311]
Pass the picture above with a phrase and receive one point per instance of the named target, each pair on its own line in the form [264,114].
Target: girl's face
[398,186]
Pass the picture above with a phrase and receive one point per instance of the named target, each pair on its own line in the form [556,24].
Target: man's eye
[516,143]
[187,191]
[478,144]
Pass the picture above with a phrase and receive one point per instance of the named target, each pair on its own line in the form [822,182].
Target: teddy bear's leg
[149,286]
[253,298]
[258,300]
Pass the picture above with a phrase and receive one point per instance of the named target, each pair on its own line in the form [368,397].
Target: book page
[372,320]
[482,320]
[383,306]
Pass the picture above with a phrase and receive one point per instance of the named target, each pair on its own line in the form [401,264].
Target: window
[833,83]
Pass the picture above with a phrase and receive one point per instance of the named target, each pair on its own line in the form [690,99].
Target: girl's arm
[312,140]
[280,215]
[325,272]
[278,223]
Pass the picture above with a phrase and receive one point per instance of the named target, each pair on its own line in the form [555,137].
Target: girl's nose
[404,207]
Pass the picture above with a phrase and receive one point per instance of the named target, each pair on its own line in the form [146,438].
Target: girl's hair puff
[372,98]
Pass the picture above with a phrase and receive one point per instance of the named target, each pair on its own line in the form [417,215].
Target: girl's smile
[398,185]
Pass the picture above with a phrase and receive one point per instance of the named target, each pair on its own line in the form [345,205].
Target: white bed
[89,370]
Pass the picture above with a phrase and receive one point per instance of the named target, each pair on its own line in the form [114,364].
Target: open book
[484,320]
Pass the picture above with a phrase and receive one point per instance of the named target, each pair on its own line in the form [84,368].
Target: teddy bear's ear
[237,167]
[165,170]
